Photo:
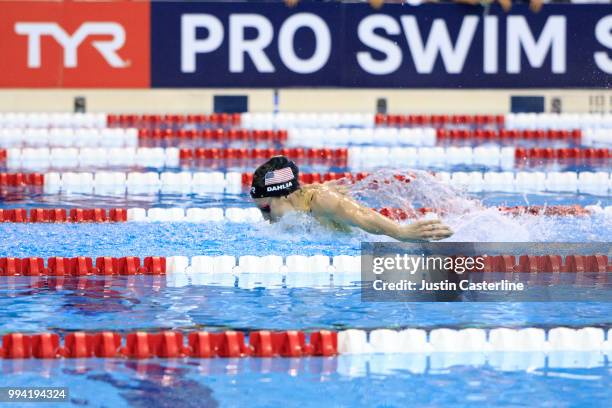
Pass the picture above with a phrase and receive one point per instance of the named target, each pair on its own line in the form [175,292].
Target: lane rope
[296,343]
[307,119]
[355,157]
[597,182]
[27,137]
[249,214]
[275,264]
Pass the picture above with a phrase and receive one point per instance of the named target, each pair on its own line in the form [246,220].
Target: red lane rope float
[63,215]
[157,121]
[572,135]
[21,179]
[279,136]
[337,156]
[2,154]
[561,154]
[170,344]
[99,215]
[439,120]
[547,263]
[82,266]
[550,210]
[401,214]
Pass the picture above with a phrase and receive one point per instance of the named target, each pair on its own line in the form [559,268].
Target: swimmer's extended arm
[331,204]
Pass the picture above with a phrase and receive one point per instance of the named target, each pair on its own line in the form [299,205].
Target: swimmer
[276,191]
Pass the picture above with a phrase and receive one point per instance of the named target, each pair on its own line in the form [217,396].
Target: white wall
[307,99]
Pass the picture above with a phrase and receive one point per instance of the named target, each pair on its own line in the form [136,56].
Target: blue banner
[398,46]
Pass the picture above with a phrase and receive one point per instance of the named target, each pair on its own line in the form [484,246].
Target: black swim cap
[277,177]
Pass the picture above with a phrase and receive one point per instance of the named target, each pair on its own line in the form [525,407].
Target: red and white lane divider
[509,121]
[43,158]
[426,136]
[202,182]
[295,343]
[418,136]
[539,210]
[67,137]
[506,157]
[245,215]
[102,120]
[392,137]
[307,119]
[97,215]
[273,271]
[355,157]
[311,137]
[292,265]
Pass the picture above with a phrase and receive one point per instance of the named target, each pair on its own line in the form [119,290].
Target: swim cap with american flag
[276,178]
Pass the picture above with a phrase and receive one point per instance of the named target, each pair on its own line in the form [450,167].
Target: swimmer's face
[264,205]
[271,208]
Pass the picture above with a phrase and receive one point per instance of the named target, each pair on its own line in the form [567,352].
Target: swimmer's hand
[428,230]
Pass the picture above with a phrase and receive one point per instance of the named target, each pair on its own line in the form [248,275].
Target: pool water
[125,304]
[375,381]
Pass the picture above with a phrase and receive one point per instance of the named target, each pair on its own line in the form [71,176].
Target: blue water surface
[149,303]
[344,381]
[152,303]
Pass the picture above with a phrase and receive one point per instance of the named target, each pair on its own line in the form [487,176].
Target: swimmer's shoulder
[310,191]
[319,195]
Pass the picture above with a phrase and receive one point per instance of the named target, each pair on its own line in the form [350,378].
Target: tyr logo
[107,48]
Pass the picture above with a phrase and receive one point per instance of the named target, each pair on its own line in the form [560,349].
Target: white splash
[470,220]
